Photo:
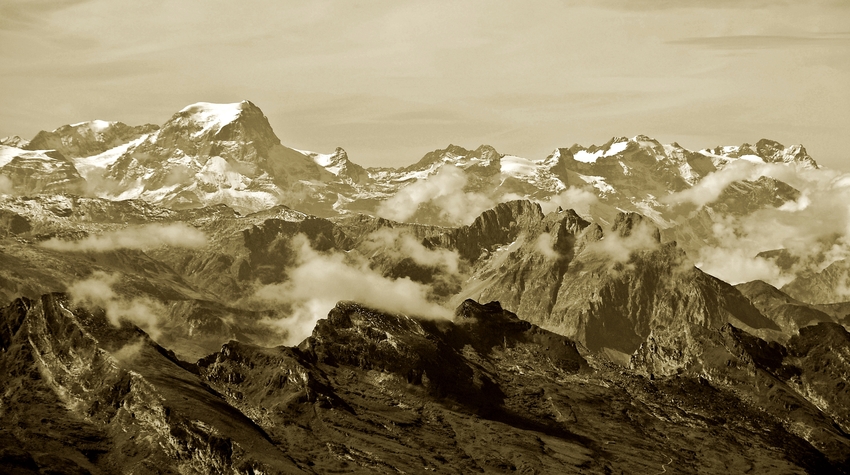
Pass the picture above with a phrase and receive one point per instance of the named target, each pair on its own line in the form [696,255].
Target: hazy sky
[389,81]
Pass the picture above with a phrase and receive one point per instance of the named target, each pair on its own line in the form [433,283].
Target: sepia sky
[389,81]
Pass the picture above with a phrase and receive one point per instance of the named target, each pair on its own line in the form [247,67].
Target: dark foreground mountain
[375,392]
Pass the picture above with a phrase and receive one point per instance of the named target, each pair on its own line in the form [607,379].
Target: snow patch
[93,126]
[518,167]
[687,173]
[87,165]
[599,183]
[211,116]
[8,153]
[752,158]
[587,157]
[616,148]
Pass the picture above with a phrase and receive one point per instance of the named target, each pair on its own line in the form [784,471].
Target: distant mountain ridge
[228,153]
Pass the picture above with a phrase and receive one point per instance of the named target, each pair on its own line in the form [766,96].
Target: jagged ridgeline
[199,298]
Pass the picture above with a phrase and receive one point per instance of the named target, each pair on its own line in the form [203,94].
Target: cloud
[19,14]
[702,4]
[6,186]
[400,244]
[130,351]
[619,248]
[759,42]
[146,236]
[578,199]
[737,266]
[814,229]
[320,280]
[97,291]
[443,190]
[842,288]
[712,185]
[543,245]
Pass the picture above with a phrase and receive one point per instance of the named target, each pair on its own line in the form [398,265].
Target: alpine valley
[197,297]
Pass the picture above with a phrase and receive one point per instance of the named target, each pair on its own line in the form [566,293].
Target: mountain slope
[367,392]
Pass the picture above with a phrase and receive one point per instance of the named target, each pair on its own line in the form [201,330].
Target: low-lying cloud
[6,186]
[579,200]
[399,244]
[543,245]
[97,290]
[443,190]
[320,280]
[814,229]
[619,249]
[145,236]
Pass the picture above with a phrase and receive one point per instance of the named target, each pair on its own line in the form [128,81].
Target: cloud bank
[97,291]
[320,280]
[543,246]
[444,191]
[619,248]
[578,199]
[399,244]
[814,229]
[146,236]
[6,186]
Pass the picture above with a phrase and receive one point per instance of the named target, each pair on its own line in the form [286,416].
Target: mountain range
[197,297]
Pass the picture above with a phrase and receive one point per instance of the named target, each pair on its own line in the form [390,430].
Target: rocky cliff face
[607,290]
[83,396]
[778,378]
[42,172]
[368,390]
[789,313]
[829,286]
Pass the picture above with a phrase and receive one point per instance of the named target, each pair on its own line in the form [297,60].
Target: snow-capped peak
[615,146]
[208,116]
[764,151]
[332,162]
[94,126]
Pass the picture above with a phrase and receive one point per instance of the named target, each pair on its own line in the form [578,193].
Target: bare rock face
[85,397]
[496,226]
[42,172]
[828,286]
[778,378]
[822,352]
[789,313]
[608,290]
[368,390]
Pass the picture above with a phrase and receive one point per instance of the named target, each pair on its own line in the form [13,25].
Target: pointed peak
[206,111]
[485,147]
[14,141]
[455,150]
[644,138]
[94,126]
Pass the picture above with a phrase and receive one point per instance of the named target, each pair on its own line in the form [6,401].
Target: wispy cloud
[320,280]
[703,4]
[742,42]
[443,190]
[97,290]
[134,237]
[19,14]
